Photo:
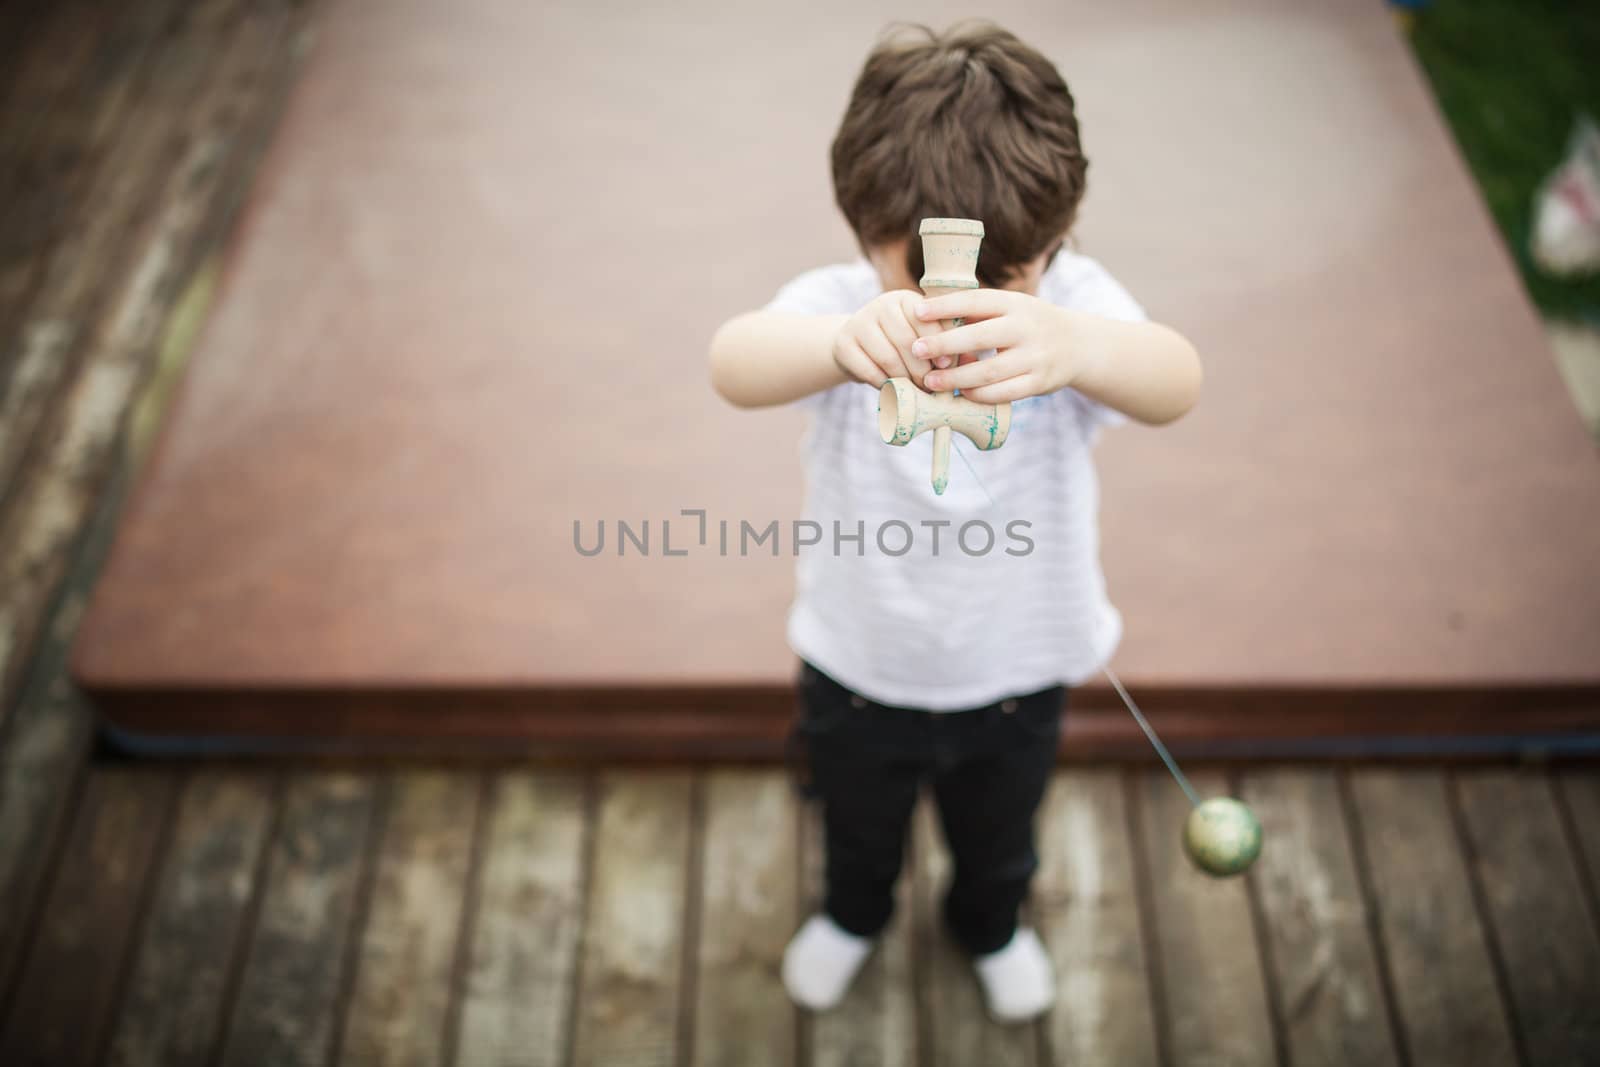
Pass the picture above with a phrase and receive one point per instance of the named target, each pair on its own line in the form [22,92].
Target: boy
[946,659]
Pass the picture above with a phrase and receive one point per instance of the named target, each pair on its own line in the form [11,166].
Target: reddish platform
[447,329]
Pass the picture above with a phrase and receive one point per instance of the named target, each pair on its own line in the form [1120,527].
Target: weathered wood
[397,1013]
[45,740]
[284,1012]
[72,85]
[20,29]
[630,974]
[877,1021]
[67,990]
[1086,905]
[1541,923]
[1324,968]
[749,903]
[1213,990]
[72,79]
[49,725]
[44,748]
[114,337]
[1450,1011]
[517,1004]
[83,183]
[959,1029]
[1579,788]
[171,1014]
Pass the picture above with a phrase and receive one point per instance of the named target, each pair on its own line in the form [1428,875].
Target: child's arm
[762,358]
[1145,370]
[772,357]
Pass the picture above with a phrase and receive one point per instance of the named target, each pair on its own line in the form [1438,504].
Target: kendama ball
[1222,837]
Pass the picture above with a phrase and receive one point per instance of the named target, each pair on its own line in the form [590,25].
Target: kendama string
[1116,683]
[968,465]
[1149,731]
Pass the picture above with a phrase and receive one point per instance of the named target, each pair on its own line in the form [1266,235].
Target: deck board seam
[693,899]
[1588,878]
[804,1054]
[144,906]
[1263,939]
[361,912]
[1355,836]
[1480,904]
[1149,925]
[88,547]
[249,921]
[11,981]
[920,944]
[586,864]
[471,898]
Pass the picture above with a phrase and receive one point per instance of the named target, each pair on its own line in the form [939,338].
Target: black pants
[988,768]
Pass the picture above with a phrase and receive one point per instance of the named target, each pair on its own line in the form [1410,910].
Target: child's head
[970,123]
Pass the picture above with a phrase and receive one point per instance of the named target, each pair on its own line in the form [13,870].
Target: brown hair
[970,123]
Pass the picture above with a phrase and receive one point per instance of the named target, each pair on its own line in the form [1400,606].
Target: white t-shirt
[993,589]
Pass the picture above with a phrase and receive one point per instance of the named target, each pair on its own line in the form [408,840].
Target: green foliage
[1511,75]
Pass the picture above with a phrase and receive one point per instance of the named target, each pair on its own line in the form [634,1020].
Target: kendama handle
[950,263]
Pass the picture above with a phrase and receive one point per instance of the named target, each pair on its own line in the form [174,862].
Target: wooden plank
[69,194]
[48,727]
[959,1029]
[749,899]
[44,748]
[1540,920]
[107,344]
[21,26]
[1325,974]
[45,739]
[1450,1011]
[398,1010]
[877,1021]
[70,88]
[75,79]
[67,990]
[632,958]
[1086,905]
[1579,789]
[171,1014]
[1213,990]
[517,1003]
[285,1009]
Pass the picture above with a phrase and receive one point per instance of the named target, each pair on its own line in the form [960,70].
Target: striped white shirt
[993,589]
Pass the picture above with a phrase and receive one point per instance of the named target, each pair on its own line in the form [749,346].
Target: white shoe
[821,961]
[1018,980]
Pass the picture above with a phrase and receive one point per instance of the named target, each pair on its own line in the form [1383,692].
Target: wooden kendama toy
[905,409]
[1221,836]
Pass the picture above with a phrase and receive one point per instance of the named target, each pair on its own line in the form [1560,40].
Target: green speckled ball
[1222,837]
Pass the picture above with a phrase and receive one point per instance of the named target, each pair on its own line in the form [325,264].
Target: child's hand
[1039,347]
[875,344]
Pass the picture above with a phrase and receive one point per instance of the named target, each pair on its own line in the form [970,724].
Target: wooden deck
[213,914]
[314,912]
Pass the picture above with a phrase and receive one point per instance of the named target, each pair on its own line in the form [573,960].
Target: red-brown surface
[469,302]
